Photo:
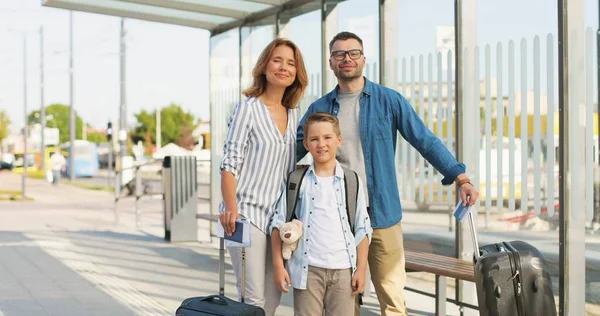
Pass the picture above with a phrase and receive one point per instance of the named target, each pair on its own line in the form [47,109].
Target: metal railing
[149,183]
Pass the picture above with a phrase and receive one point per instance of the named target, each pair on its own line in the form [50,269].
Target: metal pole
[26,125]
[42,109]
[110,163]
[458,121]
[562,158]
[572,218]
[158,129]
[71,108]
[123,108]
[596,218]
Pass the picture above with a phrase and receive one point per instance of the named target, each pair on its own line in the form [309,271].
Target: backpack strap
[294,182]
[351,188]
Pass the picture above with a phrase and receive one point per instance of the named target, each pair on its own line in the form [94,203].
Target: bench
[443,267]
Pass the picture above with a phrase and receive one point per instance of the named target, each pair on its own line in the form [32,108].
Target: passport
[238,235]
[241,236]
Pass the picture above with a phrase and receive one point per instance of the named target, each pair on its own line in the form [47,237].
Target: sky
[167,63]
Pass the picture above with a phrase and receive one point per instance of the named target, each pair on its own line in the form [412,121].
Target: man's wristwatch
[463,181]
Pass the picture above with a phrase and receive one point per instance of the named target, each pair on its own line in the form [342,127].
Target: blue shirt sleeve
[412,128]
[362,222]
[300,150]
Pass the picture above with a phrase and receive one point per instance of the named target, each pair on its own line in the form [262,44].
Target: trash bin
[180,198]
[167,196]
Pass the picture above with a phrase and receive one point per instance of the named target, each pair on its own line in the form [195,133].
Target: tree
[176,126]
[96,137]
[60,120]
[4,125]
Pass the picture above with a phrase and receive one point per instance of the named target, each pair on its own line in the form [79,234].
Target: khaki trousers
[328,293]
[386,264]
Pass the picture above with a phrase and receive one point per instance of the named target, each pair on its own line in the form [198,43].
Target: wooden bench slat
[441,270]
[455,265]
[439,265]
[449,265]
[438,259]
[444,271]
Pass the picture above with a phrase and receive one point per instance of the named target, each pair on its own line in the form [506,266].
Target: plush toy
[290,233]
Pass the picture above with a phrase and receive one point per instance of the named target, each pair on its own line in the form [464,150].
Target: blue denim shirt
[298,263]
[383,112]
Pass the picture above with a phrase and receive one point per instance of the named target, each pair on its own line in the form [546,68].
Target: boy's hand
[358,281]
[282,278]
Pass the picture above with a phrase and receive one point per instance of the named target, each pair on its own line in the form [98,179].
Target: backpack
[294,183]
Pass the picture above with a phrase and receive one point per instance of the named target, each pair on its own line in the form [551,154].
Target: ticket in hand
[461,211]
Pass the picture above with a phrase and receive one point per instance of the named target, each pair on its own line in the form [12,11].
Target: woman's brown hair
[294,92]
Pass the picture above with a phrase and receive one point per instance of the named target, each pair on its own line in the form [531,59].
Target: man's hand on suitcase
[228,219]
[466,189]
[282,278]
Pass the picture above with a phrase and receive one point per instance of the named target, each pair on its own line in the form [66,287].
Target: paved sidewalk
[63,254]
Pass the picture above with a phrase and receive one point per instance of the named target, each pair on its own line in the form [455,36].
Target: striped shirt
[260,158]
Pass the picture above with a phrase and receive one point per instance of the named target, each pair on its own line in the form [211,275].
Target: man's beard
[356,73]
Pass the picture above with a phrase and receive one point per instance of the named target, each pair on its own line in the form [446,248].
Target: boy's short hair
[322,117]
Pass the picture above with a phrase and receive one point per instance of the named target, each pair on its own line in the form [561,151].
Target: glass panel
[362,18]
[423,72]
[518,120]
[592,186]
[255,37]
[224,94]
[295,25]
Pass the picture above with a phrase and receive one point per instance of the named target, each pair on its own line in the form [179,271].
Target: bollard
[139,191]
[450,217]
[167,196]
[180,198]
[117,194]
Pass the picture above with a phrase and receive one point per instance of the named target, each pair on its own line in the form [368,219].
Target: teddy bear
[290,233]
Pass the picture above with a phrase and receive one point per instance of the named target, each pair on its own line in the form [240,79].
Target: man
[57,163]
[370,116]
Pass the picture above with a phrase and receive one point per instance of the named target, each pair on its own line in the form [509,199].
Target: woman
[259,153]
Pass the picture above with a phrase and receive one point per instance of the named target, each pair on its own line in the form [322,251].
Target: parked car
[5,165]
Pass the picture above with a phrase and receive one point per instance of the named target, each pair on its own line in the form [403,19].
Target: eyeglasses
[340,55]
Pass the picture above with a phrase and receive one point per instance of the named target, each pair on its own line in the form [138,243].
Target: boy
[328,268]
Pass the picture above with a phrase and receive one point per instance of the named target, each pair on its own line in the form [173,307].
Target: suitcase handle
[217,299]
[476,253]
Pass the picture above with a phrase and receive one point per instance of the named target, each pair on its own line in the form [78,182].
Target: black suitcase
[512,279]
[219,305]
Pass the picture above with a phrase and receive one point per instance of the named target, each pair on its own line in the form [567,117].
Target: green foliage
[96,137]
[4,125]
[176,125]
[60,120]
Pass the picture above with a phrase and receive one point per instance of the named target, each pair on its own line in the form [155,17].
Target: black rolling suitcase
[219,305]
[512,279]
